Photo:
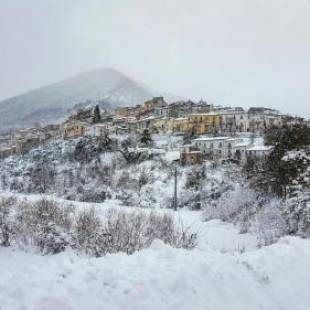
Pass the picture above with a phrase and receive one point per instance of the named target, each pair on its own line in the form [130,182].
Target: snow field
[225,271]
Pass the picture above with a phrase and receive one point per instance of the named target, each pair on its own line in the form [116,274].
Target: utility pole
[175,200]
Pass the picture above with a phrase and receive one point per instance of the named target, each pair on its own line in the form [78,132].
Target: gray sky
[230,52]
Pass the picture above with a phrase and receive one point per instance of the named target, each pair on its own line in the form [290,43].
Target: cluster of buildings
[21,141]
[224,148]
[215,132]
[183,117]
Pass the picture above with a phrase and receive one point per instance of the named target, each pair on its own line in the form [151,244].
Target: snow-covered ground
[225,271]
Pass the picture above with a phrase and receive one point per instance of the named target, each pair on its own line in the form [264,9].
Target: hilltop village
[208,131]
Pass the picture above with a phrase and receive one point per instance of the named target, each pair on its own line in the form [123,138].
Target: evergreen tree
[96,115]
[104,143]
[146,138]
[275,174]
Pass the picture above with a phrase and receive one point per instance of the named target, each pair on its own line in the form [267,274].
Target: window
[211,146]
[220,145]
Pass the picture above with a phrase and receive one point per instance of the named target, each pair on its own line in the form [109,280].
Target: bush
[6,225]
[89,234]
[51,239]
[51,228]
[297,216]
[236,205]
[128,232]
[44,224]
[252,212]
[269,224]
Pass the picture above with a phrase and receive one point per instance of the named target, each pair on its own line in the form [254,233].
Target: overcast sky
[230,52]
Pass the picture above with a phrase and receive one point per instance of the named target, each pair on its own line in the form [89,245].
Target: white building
[259,151]
[235,120]
[260,119]
[223,147]
[96,130]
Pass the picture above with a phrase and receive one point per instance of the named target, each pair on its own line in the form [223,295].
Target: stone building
[156,102]
[73,129]
[190,155]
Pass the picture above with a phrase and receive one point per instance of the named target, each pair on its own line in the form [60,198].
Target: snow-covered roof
[234,139]
[206,113]
[171,156]
[193,152]
[98,125]
[261,148]
[211,138]
[163,118]
[181,119]
[232,112]
[148,150]
[185,146]
[241,145]
[148,118]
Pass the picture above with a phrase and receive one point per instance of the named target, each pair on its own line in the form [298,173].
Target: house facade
[260,151]
[190,155]
[73,129]
[222,147]
[203,123]
[234,121]
[96,130]
[156,102]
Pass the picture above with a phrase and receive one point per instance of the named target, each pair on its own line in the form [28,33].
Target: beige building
[191,155]
[96,130]
[73,129]
[6,151]
[122,112]
[181,124]
[162,125]
[129,111]
[203,123]
[156,102]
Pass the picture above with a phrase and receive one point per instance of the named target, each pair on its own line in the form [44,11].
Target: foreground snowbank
[274,277]
[225,271]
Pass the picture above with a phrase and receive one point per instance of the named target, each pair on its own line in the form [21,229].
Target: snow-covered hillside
[89,227]
[225,271]
[52,102]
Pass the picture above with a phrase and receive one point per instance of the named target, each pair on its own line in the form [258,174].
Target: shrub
[236,205]
[6,225]
[51,239]
[51,228]
[297,216]
[128,232]
[269,224]
[88,233]
[44,224]
[252,212]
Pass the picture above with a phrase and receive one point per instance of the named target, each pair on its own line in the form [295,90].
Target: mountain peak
[52,102]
